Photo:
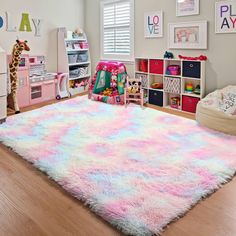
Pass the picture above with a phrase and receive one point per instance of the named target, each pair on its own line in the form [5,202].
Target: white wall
[54,13]
[220,69]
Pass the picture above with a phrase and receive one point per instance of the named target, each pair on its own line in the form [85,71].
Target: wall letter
[233,21]
[225,23]
[9,26]
[231,11]
[37,25]
[25,23]
[223,9]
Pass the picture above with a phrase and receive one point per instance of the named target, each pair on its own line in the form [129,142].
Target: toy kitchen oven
[42,84]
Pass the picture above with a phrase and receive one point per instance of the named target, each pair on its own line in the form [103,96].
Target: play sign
[226,17]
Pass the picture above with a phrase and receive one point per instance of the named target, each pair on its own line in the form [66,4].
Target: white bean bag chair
[218,110]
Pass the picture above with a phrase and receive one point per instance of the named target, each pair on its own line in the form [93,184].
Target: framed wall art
[225,17]
[187,7]
[188,35]
[153,24]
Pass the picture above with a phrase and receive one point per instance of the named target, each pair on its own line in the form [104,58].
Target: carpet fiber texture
[137,169]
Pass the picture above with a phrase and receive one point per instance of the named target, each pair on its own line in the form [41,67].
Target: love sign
[153,24]
[226,16]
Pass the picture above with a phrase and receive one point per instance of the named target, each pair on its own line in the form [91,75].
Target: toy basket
[173,70]
[72,58]
[83,71]
[75,72]
[82,57]
[84,45]
[172,85]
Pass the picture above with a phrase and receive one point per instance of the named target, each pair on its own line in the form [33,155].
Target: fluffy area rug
[137,169]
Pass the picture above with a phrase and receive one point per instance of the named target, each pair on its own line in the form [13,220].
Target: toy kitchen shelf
[74,59]
[172,83]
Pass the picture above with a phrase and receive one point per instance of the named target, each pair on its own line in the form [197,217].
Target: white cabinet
[3,85]
[172,83]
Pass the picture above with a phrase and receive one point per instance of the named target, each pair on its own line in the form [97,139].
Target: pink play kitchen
[35,84]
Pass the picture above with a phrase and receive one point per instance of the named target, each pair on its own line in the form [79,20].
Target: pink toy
[108,83]
[173,70]
[200,58]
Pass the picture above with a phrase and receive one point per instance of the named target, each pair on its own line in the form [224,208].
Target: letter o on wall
[1,22]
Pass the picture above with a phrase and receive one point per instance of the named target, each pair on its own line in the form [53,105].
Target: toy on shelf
[157,85]
[175,102]
[18,48]
[134,91]
[62,88]
[197,90]
[200,58]
[108,83]
[189,87]
[78,33]
[173,70]
[168,55]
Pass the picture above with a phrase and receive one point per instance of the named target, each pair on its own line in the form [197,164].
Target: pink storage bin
[84,45]
[173,70]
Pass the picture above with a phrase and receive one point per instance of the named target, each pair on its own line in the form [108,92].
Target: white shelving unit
[74,59]
[155,71]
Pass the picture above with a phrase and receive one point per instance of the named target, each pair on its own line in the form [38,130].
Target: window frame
[114,56]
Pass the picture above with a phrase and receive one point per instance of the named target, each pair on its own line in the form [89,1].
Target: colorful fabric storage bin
[84,45]
[189,104]
[156,66]
[172,85]
[173,70]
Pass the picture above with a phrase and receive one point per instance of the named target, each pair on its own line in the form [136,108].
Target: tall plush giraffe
[18,48]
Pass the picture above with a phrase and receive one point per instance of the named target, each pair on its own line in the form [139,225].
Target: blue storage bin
[156,98]
[192,69]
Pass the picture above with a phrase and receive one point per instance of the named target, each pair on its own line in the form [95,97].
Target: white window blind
[117,29]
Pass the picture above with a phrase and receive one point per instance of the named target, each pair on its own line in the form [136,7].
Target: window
[117,33]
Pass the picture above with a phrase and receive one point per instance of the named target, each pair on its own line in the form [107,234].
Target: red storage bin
[189,104]
[143,65]
[156,66]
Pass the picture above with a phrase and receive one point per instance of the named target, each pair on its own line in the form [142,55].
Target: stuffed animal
[168,55]
[134,87]
[77,33]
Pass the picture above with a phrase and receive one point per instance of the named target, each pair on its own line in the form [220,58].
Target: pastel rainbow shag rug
[137,169]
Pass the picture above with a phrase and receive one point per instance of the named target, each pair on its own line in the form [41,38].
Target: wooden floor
[32,205]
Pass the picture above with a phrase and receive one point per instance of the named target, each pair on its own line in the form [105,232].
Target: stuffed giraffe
[18,48]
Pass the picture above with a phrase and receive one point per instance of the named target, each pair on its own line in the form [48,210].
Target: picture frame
[153,24]
[188,35]
[225,17]
[187,7]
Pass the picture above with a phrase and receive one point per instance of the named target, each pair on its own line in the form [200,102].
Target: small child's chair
[134,91]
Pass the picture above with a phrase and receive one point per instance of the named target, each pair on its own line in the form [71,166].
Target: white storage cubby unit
[172,83]
[3,85]
[74,59]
